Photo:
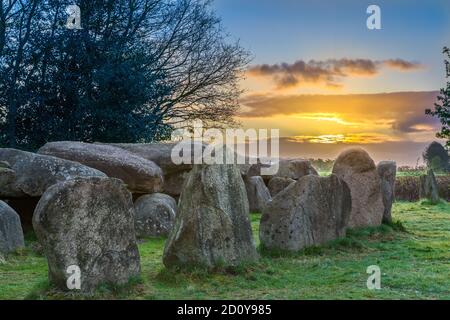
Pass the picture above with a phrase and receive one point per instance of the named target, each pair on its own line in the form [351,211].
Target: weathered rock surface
[7,178]
[257,193]
[358,170]
[155,215]
[429,187]
[139,174]
[387,171]
[89,223]
[295,169]
[161,154]
[288,168]
[212,227]
[309,212]
[278,184]
[31,174]
[11,234]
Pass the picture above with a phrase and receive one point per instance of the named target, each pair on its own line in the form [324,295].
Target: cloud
[354,138]
[328,72]
[369,118]
[376,106]
[402,65]
[412,122]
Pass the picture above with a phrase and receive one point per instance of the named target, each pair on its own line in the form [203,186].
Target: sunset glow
[323,78]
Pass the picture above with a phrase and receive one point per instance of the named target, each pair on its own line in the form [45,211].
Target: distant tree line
[136,69]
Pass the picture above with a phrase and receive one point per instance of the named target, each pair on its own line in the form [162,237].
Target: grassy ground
[409,173]
[415,263]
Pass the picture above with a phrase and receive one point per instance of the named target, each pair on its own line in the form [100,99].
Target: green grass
[418,173]
[413,254]
[409,173]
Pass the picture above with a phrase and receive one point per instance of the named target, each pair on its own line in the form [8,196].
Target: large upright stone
[139,174]
[428,187]
[212,227]
[387,171]
[30,174]
[358,170]
[11,234]
[257,193]
[278,184]
[89,223]
[309,212]
[155,215]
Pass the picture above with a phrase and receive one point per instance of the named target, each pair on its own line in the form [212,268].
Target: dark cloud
[415,122]
[330,72]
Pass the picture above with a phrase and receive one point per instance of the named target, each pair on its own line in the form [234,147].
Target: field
[413,254]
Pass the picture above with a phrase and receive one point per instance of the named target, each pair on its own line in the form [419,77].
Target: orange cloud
[355,138]
[344,119]
[387,108]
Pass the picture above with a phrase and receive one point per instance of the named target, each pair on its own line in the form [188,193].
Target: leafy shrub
[407,188]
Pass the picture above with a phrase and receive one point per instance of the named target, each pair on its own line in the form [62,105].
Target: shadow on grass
[356,240]
[180,275]
[44,290]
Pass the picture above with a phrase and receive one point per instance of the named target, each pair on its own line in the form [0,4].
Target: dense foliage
[136,69]
[442,107]
[436,157]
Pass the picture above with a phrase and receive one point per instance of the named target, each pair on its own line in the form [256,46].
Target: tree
[436,157]
[442,107]
[136,69]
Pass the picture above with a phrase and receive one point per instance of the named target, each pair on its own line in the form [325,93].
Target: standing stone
[212,227]
[387,171]
[89,223]
[278,184]
[257,193]
[309,212]
[11,234]
[358,170]
[155,215]
[429,187]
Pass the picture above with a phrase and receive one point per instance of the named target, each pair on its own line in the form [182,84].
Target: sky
[328,82]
